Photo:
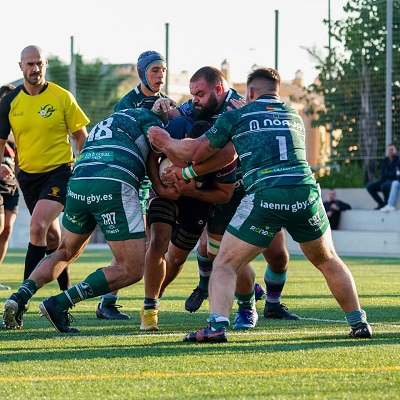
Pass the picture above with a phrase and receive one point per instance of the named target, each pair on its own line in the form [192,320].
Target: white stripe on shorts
[133,209]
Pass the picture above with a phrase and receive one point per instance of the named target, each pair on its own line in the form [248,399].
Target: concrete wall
[359,199]
[20,236]
[363,231]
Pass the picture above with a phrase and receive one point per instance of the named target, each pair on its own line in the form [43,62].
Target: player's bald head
[30,50]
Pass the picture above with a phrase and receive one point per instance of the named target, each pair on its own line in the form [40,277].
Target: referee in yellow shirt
[41,116]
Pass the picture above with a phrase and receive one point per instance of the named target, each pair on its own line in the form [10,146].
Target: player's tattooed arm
[209,147]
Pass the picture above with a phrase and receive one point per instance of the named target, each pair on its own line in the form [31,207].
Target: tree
[97,85]
[352,81]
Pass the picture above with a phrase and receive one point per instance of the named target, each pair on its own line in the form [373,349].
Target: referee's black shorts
[50,185]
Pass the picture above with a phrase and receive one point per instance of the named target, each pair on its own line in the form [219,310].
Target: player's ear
[250,93]
[219,89]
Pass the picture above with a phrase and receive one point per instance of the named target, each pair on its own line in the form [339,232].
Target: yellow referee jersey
[41,124]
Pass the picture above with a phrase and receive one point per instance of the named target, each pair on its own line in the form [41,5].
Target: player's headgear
[148,102]
[144,61]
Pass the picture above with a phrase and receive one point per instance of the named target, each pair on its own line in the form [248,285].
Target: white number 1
[282,147]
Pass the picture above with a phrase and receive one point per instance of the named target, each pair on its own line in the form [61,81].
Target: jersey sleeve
[186,109]
[150,120]
[219,134]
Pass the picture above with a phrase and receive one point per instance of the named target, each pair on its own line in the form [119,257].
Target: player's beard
[34,79]
[208,110]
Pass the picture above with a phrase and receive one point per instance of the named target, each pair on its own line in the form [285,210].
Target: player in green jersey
[103,190]
[281,192]
[152,68]
[212,96]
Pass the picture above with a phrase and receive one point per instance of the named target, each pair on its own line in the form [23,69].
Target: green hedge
[343,176]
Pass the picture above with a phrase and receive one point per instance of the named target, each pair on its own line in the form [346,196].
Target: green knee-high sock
[356,317]
[274,283]
[27,290]
[94,285]
[218,322]
[246,301]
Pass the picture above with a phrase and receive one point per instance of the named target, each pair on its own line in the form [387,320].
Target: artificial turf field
[311,358]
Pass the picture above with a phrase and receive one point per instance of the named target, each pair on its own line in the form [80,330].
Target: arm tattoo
[210,146]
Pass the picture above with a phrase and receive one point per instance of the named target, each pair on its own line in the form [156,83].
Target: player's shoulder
[232,94]
[179,127]
[143,116]
[130,112]
[131,99]
[186,108]
[59,92]
[235,95]
[53,86]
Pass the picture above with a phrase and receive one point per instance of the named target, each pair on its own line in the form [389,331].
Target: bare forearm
[80,137]
[189,150]
[217,161]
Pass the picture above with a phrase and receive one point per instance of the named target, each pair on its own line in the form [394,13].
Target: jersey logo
[54,192]
[47,111]
[185,107]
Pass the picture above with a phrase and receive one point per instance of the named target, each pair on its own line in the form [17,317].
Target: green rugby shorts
[113,205]
[298,209]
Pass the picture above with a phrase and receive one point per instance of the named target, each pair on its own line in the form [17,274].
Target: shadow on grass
[238,345]
[110,339]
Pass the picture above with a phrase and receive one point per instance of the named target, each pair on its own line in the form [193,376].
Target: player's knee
[158,243]
[279,262]
[202,248]
[6,232]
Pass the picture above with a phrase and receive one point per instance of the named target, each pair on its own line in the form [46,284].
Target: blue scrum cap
[144,61]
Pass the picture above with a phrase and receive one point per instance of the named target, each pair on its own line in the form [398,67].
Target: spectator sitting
[334,207]
[394,191]
[388,175]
